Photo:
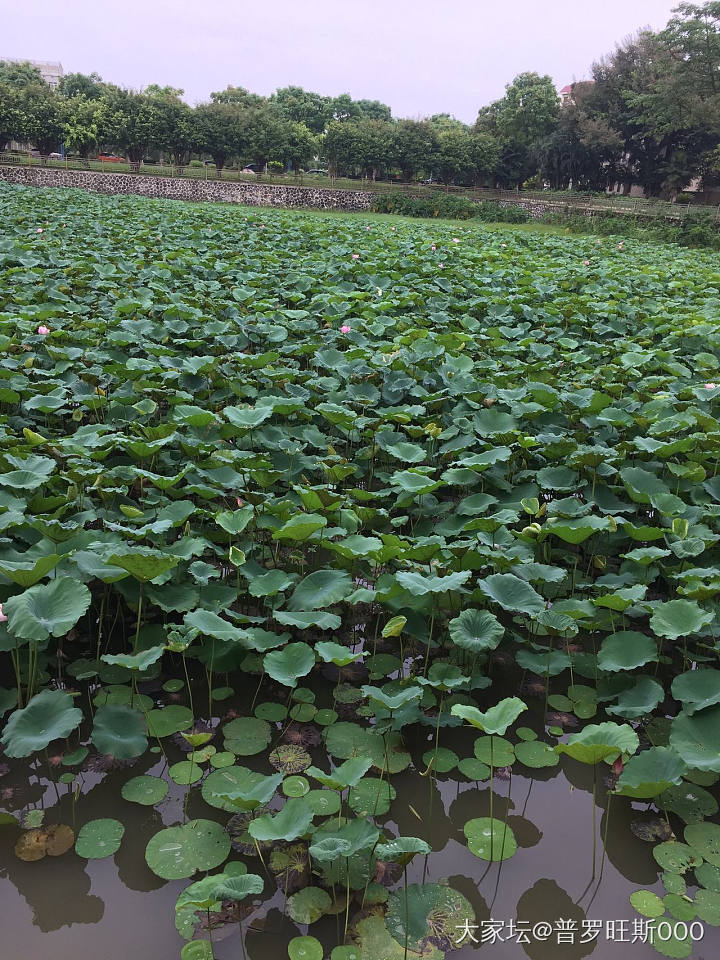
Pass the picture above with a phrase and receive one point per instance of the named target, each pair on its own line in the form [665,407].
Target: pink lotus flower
[3,618]
[345,329]
[393,229]
[456,240]
[441,264]
[587,263]
[503,244]
[39,230]
[356,256]
[367,228]
[239,502]
[620,246]
[43,331]
[432,247]
[710,386]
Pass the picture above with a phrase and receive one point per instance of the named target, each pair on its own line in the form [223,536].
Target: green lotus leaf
[320,589]
[600,741]
[289,664]
[308,904]
[168,720]
[371,797]
[512,593]
[428,907]
[246,736]
[25,573]
[300,527]
[638,700]
[290,823]
[705,839]
[119,731]
[647,903]
[650,772]
[237,888]
[495,720]
[477,631]
[305,948]
[679,618]
[625,651]
[47,609]
[145,790]
[99,838]
[303,619]
[49,716]
[144,565]
[344,776]
[419,585]
[696,738]
[336,653]
[697,689]
[136,661]
[178,852]
[490,839]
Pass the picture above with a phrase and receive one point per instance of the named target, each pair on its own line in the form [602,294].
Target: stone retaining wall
[169,188]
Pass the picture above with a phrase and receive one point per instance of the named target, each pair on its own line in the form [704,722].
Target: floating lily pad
[676,857]
[99,838]
[178,852]
[145,790]
[308,904]
[647,903]
[371,797]
[490,839]
[705,839]
[246,736]
[434,912]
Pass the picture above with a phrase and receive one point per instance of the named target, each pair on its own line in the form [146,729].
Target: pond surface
[62,907]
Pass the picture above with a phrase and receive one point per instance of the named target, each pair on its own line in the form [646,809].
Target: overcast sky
[420,57]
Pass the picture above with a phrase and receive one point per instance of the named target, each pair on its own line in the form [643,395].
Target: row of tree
[650,115]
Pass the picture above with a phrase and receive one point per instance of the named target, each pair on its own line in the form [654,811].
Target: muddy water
[65,908]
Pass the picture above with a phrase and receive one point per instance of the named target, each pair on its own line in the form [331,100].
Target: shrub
[700,230]
[447,205]
[274,166]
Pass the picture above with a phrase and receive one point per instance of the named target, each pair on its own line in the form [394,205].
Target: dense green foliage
[650,116]
[437,204]
[370,476]
[697,231]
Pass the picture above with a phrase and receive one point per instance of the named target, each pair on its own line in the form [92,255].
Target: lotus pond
[359,586]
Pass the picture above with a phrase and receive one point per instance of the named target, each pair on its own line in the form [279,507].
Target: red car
[111,158]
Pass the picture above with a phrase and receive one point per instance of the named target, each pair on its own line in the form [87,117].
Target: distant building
[566,94]
[50,70]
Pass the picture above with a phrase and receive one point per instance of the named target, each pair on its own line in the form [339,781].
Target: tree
[415,145]
[217,131]
[520,121]
[341,146]
[19,74]
[238,96]
[84,124]
[373,146]
[173,122]
[132,122]
[303,106]
[85,85]
[300,147]
[453,157]
[374,110]
[266,134]
[40,117]
[529,109]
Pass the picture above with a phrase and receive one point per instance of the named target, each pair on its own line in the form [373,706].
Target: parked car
[111,158]
[248,170]
[55,156]
[316,173]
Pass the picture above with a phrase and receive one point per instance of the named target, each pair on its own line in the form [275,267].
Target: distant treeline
[650,116]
